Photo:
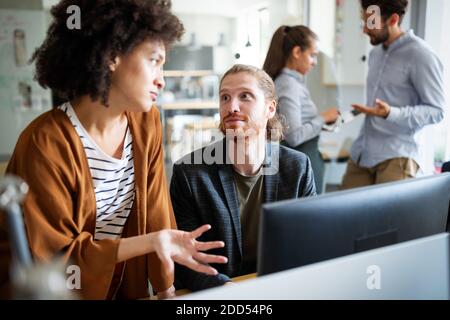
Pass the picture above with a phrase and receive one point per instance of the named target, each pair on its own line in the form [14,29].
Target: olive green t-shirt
[250,196]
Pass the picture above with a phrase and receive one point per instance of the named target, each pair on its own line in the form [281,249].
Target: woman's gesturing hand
[183,248]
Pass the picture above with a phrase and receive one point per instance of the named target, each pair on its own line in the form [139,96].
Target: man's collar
[399,41]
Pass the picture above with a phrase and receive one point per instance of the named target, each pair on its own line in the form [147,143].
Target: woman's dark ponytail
[283,41]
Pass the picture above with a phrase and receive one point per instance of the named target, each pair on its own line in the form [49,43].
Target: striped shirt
[113,181]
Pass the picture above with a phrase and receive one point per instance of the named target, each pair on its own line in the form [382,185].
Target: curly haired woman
[98,193]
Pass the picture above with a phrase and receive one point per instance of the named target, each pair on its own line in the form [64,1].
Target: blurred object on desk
[29,280]
[3,166]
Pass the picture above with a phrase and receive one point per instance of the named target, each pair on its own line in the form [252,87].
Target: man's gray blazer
[203,191]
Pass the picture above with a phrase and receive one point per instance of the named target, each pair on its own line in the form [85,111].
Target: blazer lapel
[271,174]
[229,188]
[271,188]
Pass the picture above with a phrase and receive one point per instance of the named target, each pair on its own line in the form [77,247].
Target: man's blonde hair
[275,127]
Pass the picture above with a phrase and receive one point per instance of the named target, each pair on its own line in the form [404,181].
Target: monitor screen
[305,231]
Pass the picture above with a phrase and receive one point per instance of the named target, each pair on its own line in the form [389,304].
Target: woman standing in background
[292,55]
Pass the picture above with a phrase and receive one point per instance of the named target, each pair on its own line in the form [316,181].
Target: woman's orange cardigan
[60,208]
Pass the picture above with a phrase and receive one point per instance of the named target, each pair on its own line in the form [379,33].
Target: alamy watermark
[74,20]
[237,150]
[374,20]
[73,281]
[374,280]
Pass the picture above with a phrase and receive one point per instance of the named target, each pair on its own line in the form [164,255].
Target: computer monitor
[305,231]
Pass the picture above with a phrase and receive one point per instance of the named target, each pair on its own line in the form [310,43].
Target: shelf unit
[187,73]
[191,105]
[184,105]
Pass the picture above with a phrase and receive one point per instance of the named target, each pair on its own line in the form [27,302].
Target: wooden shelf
[188,73]
[190,105]
[202,125]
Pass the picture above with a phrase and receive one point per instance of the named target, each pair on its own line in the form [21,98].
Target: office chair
[446,167]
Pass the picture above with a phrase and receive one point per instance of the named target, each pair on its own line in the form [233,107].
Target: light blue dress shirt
[295,105]
[409,77]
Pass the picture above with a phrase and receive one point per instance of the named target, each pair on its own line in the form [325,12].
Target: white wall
[239,20]
[322,21]
[207,30]
[228,8]
[288,12]
[280,12]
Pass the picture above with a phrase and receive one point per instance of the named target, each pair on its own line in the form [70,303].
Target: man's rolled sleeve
[394,114]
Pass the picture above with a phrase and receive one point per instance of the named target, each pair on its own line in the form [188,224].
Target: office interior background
[219,34]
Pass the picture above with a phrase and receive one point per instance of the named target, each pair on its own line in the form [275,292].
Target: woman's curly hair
[75,62]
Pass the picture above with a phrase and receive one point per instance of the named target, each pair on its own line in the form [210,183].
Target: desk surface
[183,292]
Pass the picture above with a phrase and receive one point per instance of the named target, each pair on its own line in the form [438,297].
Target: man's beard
[380,38]
[250,127]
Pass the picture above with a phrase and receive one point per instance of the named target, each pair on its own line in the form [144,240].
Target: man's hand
[181,247]
[330,116]
[381,109]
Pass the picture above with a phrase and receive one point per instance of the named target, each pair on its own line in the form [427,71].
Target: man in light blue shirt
[405,89]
